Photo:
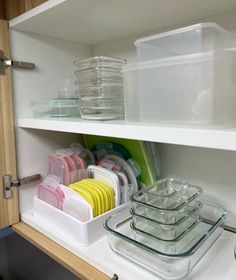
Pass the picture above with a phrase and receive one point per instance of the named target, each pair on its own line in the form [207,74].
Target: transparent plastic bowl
[166,261]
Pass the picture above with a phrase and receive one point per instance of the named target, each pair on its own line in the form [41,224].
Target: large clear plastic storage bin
[189,89]
[202,37]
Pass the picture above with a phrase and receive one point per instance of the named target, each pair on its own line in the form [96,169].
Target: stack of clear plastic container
[168,229]
[100,88]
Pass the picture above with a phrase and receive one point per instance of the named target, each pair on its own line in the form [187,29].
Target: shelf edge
[34,12]
[73,263]
[223,139]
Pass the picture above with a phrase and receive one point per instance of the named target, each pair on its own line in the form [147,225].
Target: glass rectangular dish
[105,113]
[167,217]
[102,92]
[166,232]
[99,75]
[99,61]
[102,102]
[153,256]
[167,194]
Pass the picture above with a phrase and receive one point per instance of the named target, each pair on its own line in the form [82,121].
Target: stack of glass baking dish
[100,88]
[168,228]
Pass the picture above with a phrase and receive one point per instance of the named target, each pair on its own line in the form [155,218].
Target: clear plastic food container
[202,37]
[176,261]
[56,108]
[167,194]
[194,89]
[166,232]
[99,61]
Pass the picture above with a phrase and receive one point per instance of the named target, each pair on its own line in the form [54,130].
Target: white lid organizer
[64,228]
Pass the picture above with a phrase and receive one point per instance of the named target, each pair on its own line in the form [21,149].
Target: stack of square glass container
[100,84]
[166,211]
[168,229]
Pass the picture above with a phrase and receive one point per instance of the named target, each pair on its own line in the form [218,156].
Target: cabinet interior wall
[213,169]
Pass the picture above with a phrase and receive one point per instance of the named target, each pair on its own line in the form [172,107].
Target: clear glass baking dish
[99,61]
[150,253]
[56,108]
[166,232]
[167,194]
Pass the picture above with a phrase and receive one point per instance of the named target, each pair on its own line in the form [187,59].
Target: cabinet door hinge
[8,183]
[6,62]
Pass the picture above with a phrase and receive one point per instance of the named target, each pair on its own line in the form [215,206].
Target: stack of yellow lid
[98,194]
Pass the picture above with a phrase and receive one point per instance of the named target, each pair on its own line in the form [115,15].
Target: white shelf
[96,21]
[100,256]
[224,139]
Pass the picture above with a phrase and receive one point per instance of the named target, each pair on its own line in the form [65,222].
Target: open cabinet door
[9,209]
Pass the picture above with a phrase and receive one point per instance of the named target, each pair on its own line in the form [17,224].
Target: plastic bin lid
[179,59]
[193,27]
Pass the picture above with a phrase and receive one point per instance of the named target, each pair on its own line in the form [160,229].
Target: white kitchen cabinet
[52,36]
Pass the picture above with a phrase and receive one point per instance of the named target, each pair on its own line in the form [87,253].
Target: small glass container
[165,232]
[167,194]
[104,113]
[67,89]
[101,102]
[168,217]
[99,61]
[104,90]
[99,75]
